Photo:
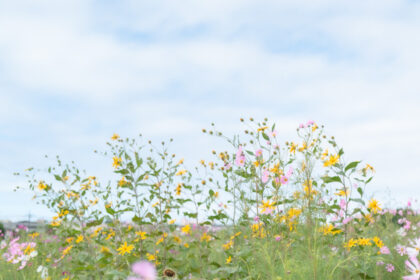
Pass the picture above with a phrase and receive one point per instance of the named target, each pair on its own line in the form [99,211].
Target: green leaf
[360,191]
[265,136]
[328,179]
[351,165]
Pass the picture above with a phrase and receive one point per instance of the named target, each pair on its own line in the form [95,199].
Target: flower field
[263,209]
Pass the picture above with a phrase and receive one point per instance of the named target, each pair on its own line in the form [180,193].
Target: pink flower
[284,180]
[289,172]
[277,237]
[384,250]
[390,267]
[144,269]
[414,267]
[414,248]
[343,204]
[401,250]
[240,158]
[347,220]
[256,219]
[310,123]
[258,152]
[265,176]
[274,133]
[380,263]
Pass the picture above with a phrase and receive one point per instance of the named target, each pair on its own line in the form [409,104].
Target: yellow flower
[351,243]
[42,186]
[186,229]
[374,206]
[324,154]
[330,230]
[178,189]
[181,161]
[228,245]
[104,249]
[267,207]
[364,242]
[378,242]
[186,245]
[228,260]
[205,237]
[69,239]
[122,182]
[108,205]
[55,223]
[304,146]
[115,136]
[124,248]
[171,222]
[116,162]
[141,234]
[33,235]
[181,172]
[256,163]
[79,238]
[333,159]
[216,194]
[150,257]
[262,128]
[293,147]
[343,192]
[94,202]
[177,239]
[67,250]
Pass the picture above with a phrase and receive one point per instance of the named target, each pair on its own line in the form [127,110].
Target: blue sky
[74,72]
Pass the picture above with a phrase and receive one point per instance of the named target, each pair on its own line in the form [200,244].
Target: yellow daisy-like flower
[79,238]
[115,136]
[178,189]
[186,229]
[181,172]
[374,206]
[42,186]
[229,260]
[125,249]
[171,222]
[116,162]
[122,182]
[293,147]
[205,237]
[142,234]
[333,159]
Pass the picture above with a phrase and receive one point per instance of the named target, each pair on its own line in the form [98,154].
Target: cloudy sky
[74,72]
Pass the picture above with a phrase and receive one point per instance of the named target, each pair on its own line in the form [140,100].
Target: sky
[72,73]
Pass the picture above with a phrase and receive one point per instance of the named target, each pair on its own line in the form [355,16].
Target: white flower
[43,271]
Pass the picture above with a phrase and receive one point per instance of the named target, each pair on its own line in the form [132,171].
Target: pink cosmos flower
[401,250]
[301,125]
[384,250]
[265,176]
[256,219]
[413,266]
[289,172]
[347,220]
[390,267]
[310,123]
[144,269]
[240,158]
[343,204]
[284,180]
[258,152]
[414,248]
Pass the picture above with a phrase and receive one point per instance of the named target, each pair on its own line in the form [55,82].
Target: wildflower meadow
[265,208]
